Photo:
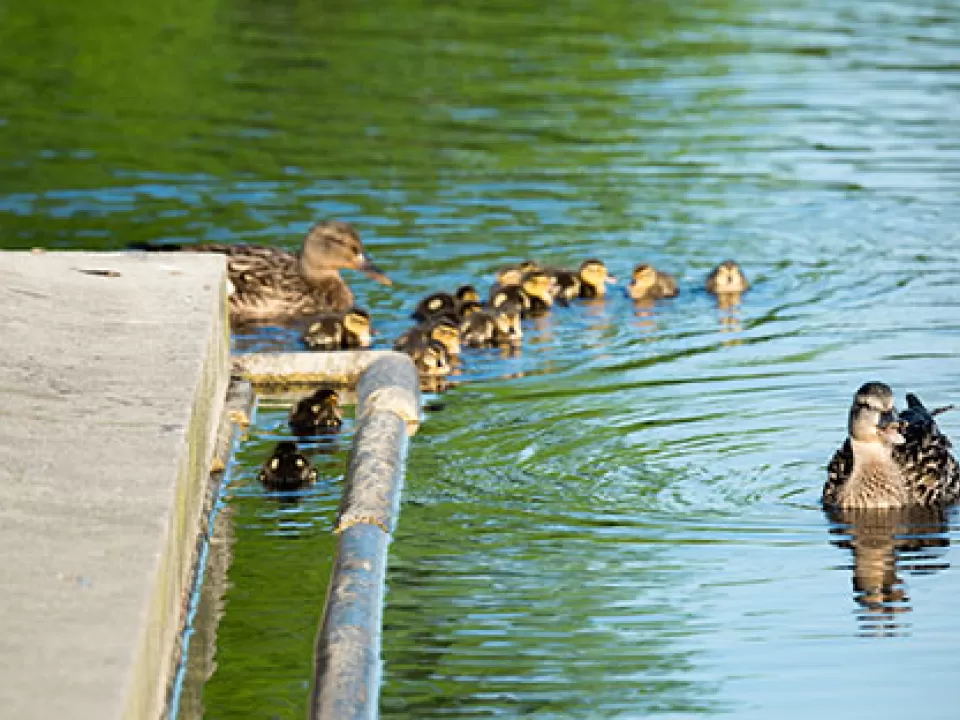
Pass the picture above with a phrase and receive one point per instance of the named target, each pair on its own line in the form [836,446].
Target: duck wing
[838,471]
[925,457]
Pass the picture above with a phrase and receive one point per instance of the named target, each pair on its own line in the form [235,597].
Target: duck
[271,284]
[499,326]
[430,356]
[287,469]
[318,414]
[442,329]
[727,278]
[436,305]
[889,459]
[594,278]
[348,330]
[466,294]
[648,283]
[566,284]
[538,286]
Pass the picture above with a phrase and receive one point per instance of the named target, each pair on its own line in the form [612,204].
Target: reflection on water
[886,544]
[621,520]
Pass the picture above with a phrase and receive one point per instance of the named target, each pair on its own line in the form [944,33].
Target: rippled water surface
[622,521]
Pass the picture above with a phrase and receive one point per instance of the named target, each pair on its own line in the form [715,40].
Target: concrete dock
[113,371]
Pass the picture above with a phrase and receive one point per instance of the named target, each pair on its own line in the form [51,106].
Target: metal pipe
[347,661]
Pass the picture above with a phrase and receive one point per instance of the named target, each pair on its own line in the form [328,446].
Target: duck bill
[890,432]
[365,265]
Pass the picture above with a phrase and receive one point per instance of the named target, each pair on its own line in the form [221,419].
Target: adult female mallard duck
[648,283]
[287,469]
[891,460]
[348,330]
[594,278]
[727,278]
[317,414]
[267,283]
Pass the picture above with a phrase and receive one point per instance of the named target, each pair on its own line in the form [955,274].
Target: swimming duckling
[501,294]
[317,414]
[435,305]
[468,307]
[287,469]
[538,286]
[648,283]
[500,326]
[429,356]
[267,283]
[510,275]
[890,460]
[339,331]
[441,329]
[727,278]
[594,278]
[466,293]
[566,284]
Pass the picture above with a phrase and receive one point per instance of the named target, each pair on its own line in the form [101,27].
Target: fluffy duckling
[727,278]
[429,356]
[648,283]
[465,294]
[339,331]
[513,294]
[890,460]
[538,286]
[510,275]
[566,284]
[270,284]
[594,278]
[287,469]
[317,414]
[500,326]
[442,329]
[436,305]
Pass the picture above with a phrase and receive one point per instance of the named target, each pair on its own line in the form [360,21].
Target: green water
[622,521]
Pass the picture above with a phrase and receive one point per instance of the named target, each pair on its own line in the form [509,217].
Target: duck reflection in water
[886,543]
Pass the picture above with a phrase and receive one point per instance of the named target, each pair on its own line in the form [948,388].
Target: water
[622,521]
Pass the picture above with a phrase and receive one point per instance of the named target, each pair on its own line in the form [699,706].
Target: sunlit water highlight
[622,521]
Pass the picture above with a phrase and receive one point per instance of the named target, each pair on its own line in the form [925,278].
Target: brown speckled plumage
[918,471]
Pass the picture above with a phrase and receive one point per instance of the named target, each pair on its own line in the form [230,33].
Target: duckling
[317,414]
[594,278]
[500,326]
[510,275]
[468,307]
[501,294]
[270,284]
[442,329]
[339,331]
[890,460]
[287,469]
[648,283]
[727,278]
[429,356]
[538,286]
[566,284]
[466,293]
[435,305]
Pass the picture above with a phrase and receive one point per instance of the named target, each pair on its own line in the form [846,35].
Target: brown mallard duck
[270,284]
[287,469]
[891,460]
[594,278]
[648,283]
[727,278]
[348,330]
[318,414]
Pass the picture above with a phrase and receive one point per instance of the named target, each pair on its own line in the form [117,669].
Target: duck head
[643,280]
[873,417]
[507,320]
[446,332]
[727,277]
[331,245]
[594,274]
[357,322]
[538,284]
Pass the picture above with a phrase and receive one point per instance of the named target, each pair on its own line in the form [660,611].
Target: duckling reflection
[886,543]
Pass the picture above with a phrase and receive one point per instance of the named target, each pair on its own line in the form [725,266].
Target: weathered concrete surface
[111,389]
